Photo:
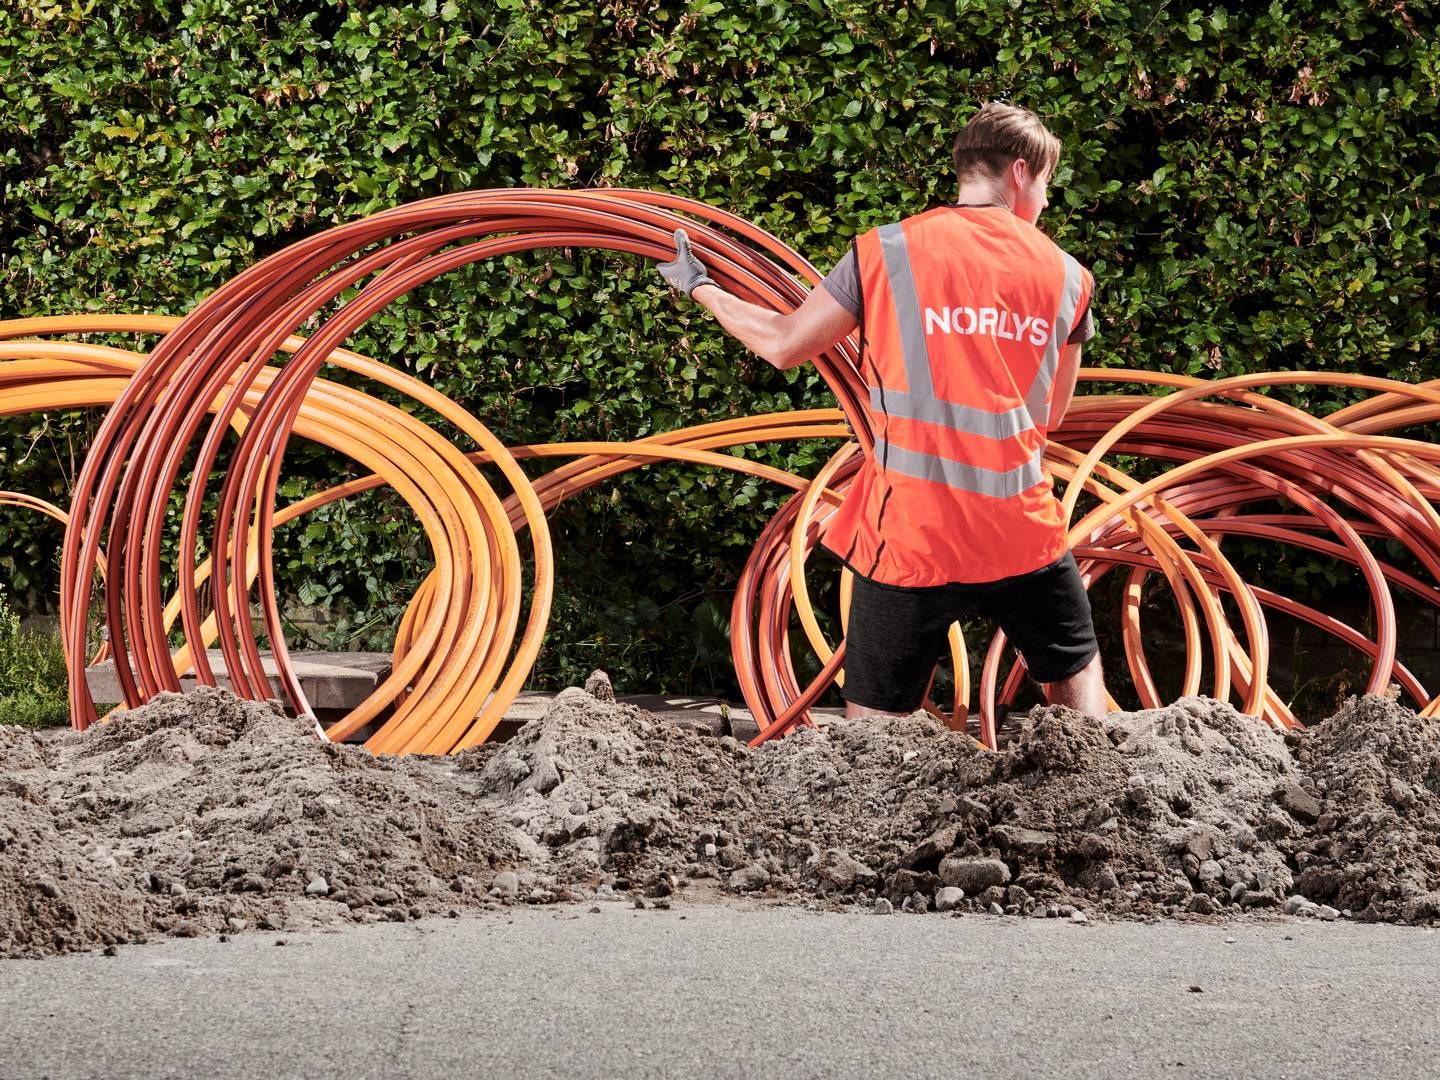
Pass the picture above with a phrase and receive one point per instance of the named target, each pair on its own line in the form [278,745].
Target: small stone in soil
[948,898]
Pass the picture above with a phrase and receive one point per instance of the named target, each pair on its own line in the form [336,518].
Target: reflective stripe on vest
[920,402]
[998,484]
[1037,401]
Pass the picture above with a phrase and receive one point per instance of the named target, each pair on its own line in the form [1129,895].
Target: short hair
[1000,134]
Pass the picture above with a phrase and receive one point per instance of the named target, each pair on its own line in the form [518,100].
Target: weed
[33,686]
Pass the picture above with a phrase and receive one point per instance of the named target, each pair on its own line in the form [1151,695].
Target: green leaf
[160,152]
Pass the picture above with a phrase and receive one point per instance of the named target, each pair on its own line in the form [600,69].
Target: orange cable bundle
[235,367]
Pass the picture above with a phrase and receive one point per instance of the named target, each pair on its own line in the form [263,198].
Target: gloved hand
[686,273]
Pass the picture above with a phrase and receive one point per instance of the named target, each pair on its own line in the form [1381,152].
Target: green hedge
[1253,187]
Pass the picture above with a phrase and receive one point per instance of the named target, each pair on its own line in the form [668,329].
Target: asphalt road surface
[721,992]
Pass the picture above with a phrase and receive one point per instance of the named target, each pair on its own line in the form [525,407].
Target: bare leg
[856,712]
[1084,691]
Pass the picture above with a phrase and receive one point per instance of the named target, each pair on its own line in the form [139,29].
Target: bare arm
[784,340]
[1065,378]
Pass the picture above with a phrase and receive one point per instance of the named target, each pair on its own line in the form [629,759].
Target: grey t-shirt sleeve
[1084,328]
[843,282]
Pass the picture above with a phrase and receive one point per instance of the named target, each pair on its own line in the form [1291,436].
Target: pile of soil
[1375,846]
[203,813]
[605,794]
[206,814]
[1190,810]
[1179,810]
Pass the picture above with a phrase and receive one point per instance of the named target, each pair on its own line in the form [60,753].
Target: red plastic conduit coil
[458,663]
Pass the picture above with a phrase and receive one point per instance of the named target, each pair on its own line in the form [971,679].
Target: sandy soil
[208,815]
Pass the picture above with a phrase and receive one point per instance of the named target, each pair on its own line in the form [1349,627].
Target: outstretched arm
[784,340]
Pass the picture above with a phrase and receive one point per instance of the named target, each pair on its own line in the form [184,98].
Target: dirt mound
[203,813]
[56,892]
[1375,846]
[1207,808]
[1146,813]
[610,795]
[1176,810]
[1190,809]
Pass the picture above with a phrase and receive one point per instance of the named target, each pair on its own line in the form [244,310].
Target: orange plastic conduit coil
[235,367]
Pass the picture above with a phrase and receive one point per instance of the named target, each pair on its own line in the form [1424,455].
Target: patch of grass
[33,686]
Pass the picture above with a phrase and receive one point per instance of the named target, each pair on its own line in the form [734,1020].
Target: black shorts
[897,634]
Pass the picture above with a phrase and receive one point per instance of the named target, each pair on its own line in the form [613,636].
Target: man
[972,325]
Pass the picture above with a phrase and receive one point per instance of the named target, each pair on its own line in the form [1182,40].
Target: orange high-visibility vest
[966,311]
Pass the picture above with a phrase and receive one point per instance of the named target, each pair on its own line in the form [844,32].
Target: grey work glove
[686,273]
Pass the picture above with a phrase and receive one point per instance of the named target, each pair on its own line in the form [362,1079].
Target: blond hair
[1000,134]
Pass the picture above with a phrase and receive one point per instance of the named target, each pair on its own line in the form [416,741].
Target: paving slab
[336,682]
[331,680]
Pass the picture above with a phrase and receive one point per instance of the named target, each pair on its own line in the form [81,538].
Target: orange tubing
[234,371]
[319,420]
